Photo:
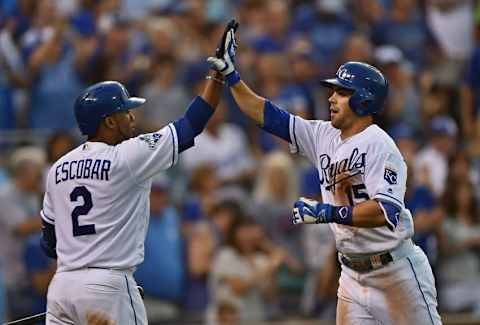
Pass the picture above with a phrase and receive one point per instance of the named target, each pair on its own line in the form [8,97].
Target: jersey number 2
[81,210]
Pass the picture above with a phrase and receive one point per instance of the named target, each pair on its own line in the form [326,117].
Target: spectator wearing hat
[20,203]
[403,103]
[432,160]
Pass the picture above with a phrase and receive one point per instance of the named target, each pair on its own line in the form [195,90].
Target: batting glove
[311,211]
[226,64]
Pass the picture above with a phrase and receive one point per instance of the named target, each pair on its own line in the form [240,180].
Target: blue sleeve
[276,121]
[391,212]
[48,242]
[192,123]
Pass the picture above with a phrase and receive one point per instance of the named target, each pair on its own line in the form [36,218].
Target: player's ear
[109,122]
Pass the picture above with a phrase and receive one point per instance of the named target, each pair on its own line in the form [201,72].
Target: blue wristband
[343,215]
[232,78]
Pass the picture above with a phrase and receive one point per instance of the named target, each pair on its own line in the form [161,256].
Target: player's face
[341,115]
[125,124]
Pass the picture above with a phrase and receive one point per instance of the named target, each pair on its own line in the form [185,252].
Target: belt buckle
[376,261]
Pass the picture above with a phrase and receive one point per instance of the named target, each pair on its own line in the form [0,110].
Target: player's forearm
[250,103]
[368,214]
[213,89]
[199,112]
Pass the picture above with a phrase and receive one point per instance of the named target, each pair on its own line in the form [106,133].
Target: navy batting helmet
[100,100]
[369,86]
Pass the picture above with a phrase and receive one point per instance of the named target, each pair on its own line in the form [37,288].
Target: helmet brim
[334,82]
[134,102]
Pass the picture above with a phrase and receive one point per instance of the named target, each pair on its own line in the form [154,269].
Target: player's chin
[334,120]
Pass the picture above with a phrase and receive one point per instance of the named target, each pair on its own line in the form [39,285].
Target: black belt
[366,264]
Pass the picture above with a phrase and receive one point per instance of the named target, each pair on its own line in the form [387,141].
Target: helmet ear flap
[361,102]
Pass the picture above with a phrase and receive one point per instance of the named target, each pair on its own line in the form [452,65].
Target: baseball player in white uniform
[96,206]
[385,278]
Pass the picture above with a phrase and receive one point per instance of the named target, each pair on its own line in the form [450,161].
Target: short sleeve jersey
[97,197]
[380,174]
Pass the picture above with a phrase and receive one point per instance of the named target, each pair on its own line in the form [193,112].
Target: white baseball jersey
[382,175]
[97,197]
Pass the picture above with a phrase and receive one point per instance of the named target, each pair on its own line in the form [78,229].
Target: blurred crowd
[220,247]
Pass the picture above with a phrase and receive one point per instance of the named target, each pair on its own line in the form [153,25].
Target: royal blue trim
[391,211]
[131,300]
[276,121]
[294,134]
[420,288]
[396,200]
[173,145]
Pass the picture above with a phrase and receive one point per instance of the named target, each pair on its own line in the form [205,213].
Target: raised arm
[249,102]
[268,116]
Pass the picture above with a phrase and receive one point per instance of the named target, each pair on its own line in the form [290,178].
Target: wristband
[232,79]
[343,215]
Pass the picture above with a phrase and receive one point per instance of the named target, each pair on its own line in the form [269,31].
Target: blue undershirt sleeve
[192,123]
[276,121]
[48,242]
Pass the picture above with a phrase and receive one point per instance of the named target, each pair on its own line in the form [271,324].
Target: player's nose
[331,99]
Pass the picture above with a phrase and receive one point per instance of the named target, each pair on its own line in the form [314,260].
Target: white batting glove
[225,65]
[311,211]
[304,211]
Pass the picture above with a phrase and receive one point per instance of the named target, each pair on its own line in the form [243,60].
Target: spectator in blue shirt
[40,270]
[163,270]
[53,65]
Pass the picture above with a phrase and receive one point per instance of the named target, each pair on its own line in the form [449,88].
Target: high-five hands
[225,53]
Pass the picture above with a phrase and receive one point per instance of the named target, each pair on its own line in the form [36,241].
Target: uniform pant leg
[114,294]
[73,295]
[136,301]
[350,309]
[59,310]
[404,292]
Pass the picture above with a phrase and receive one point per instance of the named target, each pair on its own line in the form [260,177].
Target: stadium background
[51,49]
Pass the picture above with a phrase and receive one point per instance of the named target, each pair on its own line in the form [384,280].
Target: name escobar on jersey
[85,168]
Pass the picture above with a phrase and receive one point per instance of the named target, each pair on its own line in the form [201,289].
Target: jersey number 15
[81,210]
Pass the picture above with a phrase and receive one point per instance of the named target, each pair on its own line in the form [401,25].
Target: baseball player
[96,206]
[385,278]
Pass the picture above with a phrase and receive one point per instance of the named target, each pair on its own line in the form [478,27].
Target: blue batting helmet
[100,100]
[369,86]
